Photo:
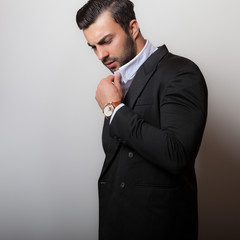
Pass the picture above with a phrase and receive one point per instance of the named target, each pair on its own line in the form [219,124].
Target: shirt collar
[129,70]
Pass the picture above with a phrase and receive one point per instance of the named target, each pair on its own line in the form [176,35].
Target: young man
[155,107]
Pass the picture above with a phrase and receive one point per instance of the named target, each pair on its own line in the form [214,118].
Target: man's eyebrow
[101,41]
[90,45]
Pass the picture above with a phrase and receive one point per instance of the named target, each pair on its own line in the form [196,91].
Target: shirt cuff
[115,110]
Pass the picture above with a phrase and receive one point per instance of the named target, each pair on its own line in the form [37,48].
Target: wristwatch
[109,108]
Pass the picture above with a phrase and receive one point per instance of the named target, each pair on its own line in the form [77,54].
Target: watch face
[108,110]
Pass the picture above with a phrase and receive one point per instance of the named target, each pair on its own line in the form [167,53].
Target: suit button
[130,155]
[122,185]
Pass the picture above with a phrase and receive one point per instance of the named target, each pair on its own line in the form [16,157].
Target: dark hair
[121,11]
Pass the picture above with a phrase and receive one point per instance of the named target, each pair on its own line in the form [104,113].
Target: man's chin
[113,69]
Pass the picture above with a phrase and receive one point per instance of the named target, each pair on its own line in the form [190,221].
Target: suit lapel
[110,145]
[143,75]
[112,151]
[139,82]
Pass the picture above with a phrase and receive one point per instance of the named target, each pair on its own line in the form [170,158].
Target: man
[155,104]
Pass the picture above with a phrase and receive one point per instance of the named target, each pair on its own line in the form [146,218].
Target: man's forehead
[103,26]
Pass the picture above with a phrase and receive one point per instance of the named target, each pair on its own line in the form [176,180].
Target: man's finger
[117,79]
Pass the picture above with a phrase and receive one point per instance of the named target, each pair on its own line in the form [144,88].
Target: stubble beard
[129,52]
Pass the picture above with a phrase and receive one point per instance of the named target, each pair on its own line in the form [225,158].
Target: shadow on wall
[218,174]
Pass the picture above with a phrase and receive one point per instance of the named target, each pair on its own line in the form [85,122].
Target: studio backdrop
[50,124]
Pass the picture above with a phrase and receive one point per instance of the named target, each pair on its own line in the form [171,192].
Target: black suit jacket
[147,187]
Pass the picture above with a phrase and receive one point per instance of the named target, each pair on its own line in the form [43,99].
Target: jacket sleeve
[183,109]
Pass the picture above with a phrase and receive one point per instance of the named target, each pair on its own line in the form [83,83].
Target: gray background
[50,124]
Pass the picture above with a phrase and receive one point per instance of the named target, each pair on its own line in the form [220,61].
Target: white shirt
[129,70]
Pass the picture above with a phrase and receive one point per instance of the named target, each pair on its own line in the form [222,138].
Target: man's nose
[102,53]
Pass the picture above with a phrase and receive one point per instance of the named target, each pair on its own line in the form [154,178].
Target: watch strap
[115,104]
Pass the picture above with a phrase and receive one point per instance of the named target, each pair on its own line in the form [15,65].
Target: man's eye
[108,41]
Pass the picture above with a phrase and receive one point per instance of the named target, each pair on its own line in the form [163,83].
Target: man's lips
[110,64]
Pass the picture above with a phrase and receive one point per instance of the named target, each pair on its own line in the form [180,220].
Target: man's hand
[109,90]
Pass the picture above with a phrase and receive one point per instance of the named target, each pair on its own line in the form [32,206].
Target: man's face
[110,42]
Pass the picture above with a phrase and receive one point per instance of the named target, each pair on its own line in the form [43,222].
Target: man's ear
[134,29]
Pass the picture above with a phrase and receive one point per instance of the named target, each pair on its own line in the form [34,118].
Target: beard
[128,53]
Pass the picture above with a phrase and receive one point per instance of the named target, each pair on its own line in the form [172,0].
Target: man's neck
[140,43]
